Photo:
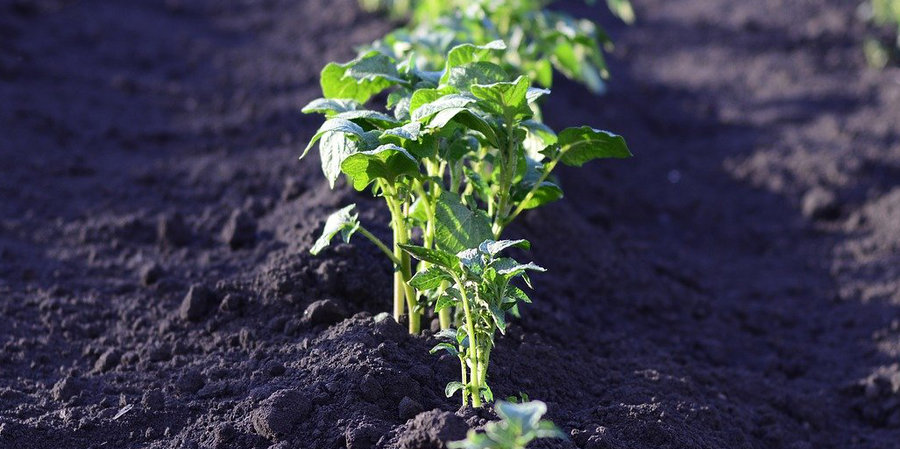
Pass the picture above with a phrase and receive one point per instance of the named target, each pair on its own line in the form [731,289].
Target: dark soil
[735,285]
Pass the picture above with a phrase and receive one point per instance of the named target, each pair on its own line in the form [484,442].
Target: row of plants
[442,121]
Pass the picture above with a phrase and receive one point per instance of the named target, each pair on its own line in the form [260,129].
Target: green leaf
[457,227]
[525,416]
[515,294]
[334,147]
[538,136]
[511,268]
[373,119]
[386,162]
[504,97]
[335,125]
[401,134]
[429,279]
[499,318]
[425,110]
[494,247]
[444,302]
[422,97]
[465,117]
[449,334]
[330,106]
[468,53]
[463,77]
[547,192]
[452,388]
[432,256]
[360,78]
[445,347]
[576,146]
[342,221]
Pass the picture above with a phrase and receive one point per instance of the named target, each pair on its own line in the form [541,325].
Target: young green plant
[483,294]
[461,156]
[519,425]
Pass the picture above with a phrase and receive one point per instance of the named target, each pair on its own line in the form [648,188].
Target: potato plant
[482,293]
[461,155]
[519,425]
[539,39]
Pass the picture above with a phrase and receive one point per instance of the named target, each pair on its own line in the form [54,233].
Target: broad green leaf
[503,96]
[421,97]
[576,146]
[334,147]
[444,302]
[432,256]
[444,347]
[335,125]
[453,387]
[386,162]
[547,192]
[467,118]
[360,78]
[373,119]
[429,279]
[538,136]
[457,227]
[463,77]
[449,334]
[426,110]
[499,318]
[468,53]
[343,221]
[400,134]
[526,415]
[494,247]
[515,294]
[330,106]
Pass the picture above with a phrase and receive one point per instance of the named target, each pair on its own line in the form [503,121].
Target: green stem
[365,232]
[518,210]
[507,172]
[465,378]
[472,352]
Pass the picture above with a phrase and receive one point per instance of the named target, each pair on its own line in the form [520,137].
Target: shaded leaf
[457,227]
[343,221]
[386,162]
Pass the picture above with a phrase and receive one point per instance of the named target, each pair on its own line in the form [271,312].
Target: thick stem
[465,378]
[399,292]
[472,352]
[508,161]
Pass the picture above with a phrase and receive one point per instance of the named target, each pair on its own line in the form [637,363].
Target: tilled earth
[735,285]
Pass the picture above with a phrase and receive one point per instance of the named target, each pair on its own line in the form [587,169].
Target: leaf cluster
[519,424]
[483,294]
[539,39]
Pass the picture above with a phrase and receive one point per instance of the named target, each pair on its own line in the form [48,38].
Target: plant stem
[465,378]
[472,352]
[508,162]
[547,169]
[365,232]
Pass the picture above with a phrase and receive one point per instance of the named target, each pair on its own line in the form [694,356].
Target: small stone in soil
[279,413]
[409,408]
[66,389]
[324,311]
[172,231]
[150,274]
[108,360]
[240,230]
[198,301]
[153,400]
[819,203]
[189,382]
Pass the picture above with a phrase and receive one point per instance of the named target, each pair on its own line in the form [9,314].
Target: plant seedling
[482,291]
[518,426]
[462,155]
